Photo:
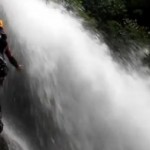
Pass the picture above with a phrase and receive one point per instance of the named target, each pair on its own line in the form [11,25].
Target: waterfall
[71,94]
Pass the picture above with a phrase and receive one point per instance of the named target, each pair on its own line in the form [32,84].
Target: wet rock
[3,143]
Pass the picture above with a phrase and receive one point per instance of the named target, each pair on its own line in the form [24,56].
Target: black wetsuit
[4,50]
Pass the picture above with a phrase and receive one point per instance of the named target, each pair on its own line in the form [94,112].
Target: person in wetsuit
[5,50]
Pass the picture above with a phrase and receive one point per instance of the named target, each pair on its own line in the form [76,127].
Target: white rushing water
[97,104]
[14,141]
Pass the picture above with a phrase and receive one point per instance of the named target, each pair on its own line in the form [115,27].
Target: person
[5,50]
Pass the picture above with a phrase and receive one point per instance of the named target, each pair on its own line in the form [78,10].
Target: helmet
[1,23]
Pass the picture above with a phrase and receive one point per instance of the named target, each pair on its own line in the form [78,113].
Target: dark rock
[3,143]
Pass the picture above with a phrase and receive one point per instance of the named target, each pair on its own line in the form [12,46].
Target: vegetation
[123,22]
[124,17]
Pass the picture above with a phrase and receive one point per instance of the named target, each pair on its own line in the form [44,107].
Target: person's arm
[11,58]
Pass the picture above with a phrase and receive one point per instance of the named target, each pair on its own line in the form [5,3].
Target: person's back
[3,46]
[3,41]
[4,50]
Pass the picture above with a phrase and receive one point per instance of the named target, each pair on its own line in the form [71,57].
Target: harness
[3,46]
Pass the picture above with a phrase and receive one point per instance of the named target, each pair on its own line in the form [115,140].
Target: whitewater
[79,97]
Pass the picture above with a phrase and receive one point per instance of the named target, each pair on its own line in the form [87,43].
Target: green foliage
[108,9]
[75,4]
[136,32]
[113,17]
[119,21]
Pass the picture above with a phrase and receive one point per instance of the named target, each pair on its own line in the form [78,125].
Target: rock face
[3,143]
[6,143]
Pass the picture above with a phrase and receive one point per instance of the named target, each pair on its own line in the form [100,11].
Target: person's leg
[1,123]
[1,81]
